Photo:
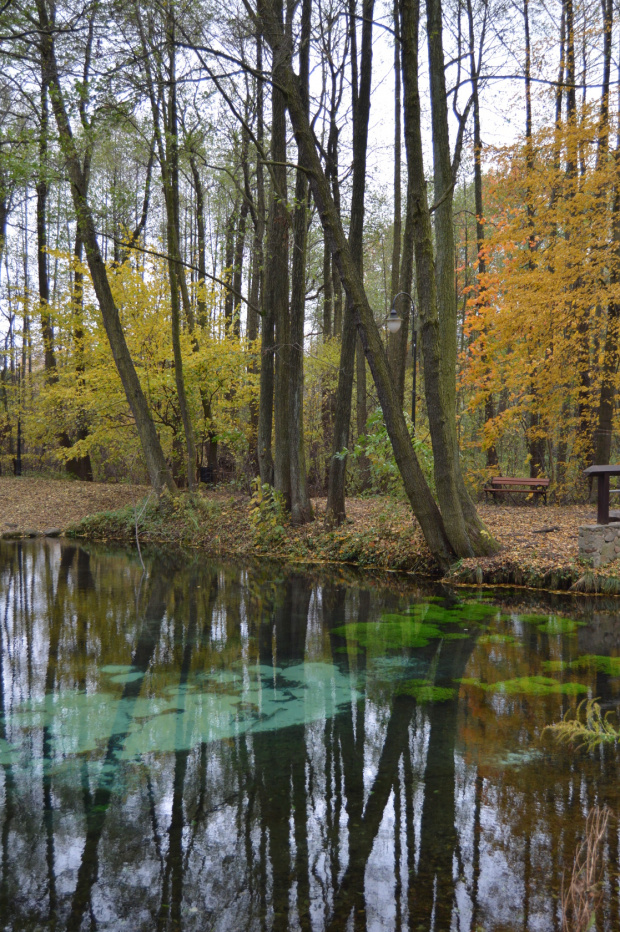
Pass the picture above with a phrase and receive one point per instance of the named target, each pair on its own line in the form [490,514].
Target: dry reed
[582,897]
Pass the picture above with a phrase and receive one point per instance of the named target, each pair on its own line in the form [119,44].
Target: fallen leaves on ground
[539,544]
[31,504]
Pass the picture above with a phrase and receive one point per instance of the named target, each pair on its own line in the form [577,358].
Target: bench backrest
[500,481]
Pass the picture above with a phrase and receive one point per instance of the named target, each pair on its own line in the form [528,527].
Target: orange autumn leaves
[536,326]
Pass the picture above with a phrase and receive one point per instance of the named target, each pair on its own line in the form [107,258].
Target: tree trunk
[277,286]
[416,487]
[335,508]
[159,473]
[361,410]
[78,466]
[47,328]
[301,508]
[402,268]
[177,275]
[474,73]
[201,304]
[466,532]
[611,352]
[229,263]
[238,267]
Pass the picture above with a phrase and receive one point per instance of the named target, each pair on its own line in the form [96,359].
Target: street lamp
[393,321]
[414,352]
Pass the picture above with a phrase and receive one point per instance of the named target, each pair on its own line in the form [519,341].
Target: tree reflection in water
[199,747]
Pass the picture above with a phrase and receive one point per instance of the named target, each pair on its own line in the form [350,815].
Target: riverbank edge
[388,542]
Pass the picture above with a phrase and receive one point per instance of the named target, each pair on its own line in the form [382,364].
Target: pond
[204,746]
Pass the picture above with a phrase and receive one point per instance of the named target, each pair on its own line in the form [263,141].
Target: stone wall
[599,543]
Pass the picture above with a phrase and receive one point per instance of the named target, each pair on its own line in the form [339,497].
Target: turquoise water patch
[187,714]
[127,677]
[8,753]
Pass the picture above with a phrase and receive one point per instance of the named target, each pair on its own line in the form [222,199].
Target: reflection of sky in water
[245,784]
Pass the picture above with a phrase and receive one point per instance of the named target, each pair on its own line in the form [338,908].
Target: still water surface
[202,746]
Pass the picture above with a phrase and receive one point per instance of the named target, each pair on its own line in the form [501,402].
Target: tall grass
[582,895]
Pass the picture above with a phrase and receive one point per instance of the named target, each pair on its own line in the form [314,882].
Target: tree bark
[168,150]
[301,508]
[159,473]
[474,74]
[47,328]
[229,264]
[416,487]
[277,285]
[402,252]
[335,508]
[201,304]
[466,532]
[611,353]
[177,275]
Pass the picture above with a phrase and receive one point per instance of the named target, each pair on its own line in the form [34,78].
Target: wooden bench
[500,485]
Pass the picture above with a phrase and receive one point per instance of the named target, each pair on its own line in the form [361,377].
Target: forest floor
[539,544]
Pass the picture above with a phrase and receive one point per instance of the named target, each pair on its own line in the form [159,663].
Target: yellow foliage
[86,391]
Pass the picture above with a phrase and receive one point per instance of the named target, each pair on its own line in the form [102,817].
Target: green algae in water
[528,686]
[591,662]
[496,639]
[553,624]
[460,613]
[598,662]
[425,692]
[557,625]
[392,635]
[533,619]
[556,666]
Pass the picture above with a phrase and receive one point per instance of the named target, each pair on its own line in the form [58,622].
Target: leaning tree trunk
[415,484]
[157,467]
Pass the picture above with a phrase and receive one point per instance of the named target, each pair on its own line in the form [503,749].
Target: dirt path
[35,505]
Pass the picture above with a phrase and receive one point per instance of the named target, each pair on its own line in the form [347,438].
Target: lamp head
[394,321]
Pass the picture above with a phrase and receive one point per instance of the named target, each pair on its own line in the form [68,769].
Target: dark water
[207,747]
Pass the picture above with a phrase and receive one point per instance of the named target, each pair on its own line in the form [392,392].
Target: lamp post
[18,460]
[414,341]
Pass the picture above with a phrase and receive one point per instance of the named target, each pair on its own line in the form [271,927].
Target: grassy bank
[379,534]
[539,545]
